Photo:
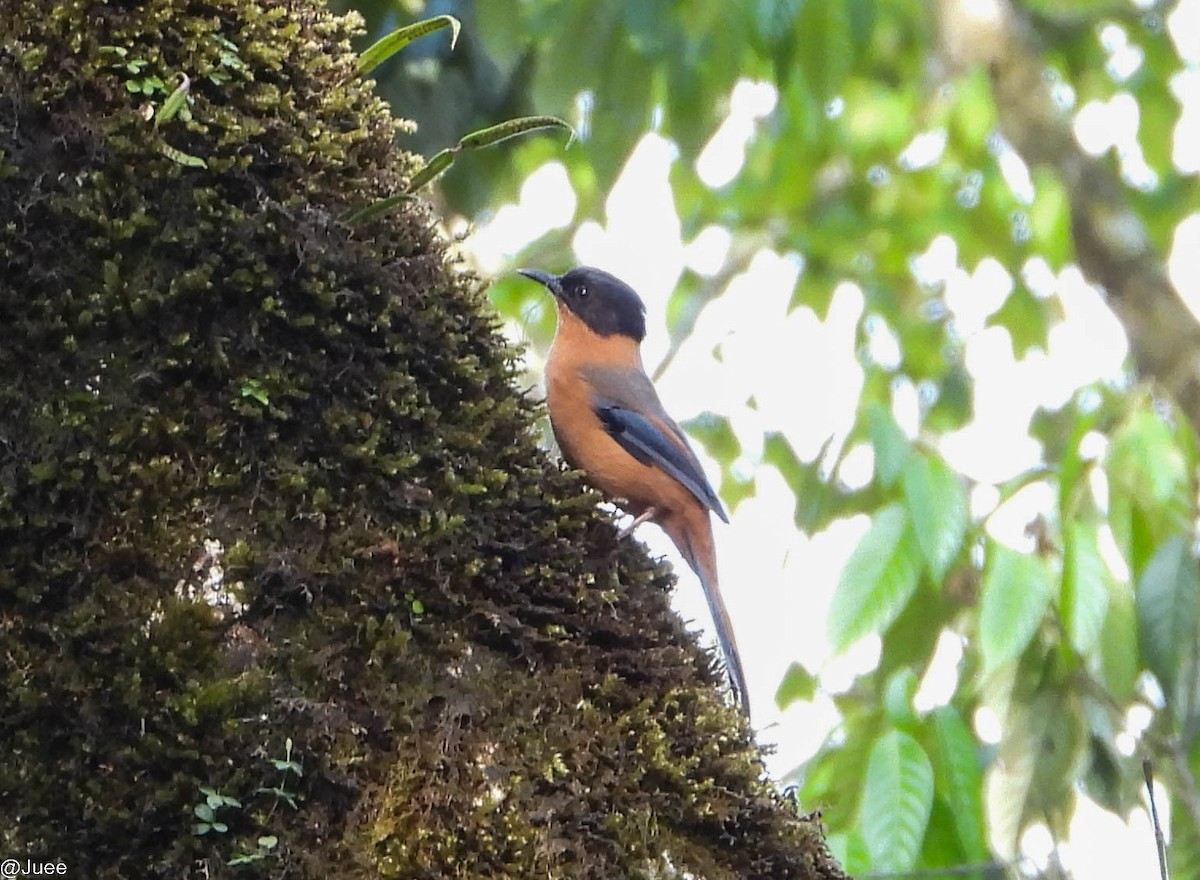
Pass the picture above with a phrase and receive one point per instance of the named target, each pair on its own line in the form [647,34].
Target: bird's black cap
[605,303]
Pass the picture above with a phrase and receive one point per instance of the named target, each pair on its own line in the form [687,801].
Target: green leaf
[937,506]
[254,388]
[181,158]
[798,685]
[1183,855]
[1024,316]
[825,48]
[940,848]
[1074,12]
[890,443]
[485,137]
[174,102]
[1120,659]
[377,208]
[817,500]
[896,801]
[1050,218]
[850,850]
[815,290]
[877,581]
[898,696]
[1158,112]
[959,778]
[430,170]
[1017,589]
[1168,613]
[495,134]
[1084,599]
[1039,760]
[772,21]
[973,113]
[1150,492]
[389,45]
[717,436]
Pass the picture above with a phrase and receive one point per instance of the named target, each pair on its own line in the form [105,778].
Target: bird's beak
[552,283]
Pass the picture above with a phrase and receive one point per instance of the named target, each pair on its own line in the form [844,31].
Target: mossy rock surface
[265,478]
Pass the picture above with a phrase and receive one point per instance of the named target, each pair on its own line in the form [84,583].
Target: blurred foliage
[1058,644]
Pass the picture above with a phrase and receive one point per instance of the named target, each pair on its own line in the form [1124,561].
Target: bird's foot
[646,514]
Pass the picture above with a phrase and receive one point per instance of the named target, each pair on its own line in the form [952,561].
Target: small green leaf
[959,778]
[798,685]
[181,158]
[430,170]
[937,506]
[898,696]
[850,850]
[877,581]
[896,801]
[1183,855]
[1168,614]
[203,812]
[389,45]
[495,134]
[973,114]
[1037,766]
[1024,316]
[826,42]
[1120,659]
[1150,491]
[1084,600]
[253,388]
[890,443]
[268,842]
[376,208]
[1050,218]
[816,499]
[174,102]
[1017,589]
[485,137]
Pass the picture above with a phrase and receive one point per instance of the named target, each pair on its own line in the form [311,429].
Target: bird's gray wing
[629,408]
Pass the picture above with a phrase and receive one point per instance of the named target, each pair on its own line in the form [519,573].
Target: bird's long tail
[696,545]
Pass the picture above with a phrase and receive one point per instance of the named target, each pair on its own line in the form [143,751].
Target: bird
[610,424]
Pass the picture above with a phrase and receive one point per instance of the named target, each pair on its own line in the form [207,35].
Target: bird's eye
[581,292]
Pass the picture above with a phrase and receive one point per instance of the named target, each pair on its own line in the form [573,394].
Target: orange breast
[580,434]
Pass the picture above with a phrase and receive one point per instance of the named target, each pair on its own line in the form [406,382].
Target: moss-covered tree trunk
[287,587]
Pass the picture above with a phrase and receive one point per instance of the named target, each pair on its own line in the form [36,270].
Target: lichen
[415,606]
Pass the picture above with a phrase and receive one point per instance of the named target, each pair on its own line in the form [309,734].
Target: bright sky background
[805,379]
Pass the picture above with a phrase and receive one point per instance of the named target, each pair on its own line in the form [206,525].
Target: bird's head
[606,304]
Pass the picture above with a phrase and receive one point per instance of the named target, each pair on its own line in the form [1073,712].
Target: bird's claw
[648,513]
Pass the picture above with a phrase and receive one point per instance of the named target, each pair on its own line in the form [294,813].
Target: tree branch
[1112,246]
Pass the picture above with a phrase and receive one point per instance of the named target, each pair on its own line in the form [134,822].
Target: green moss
[477,679]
